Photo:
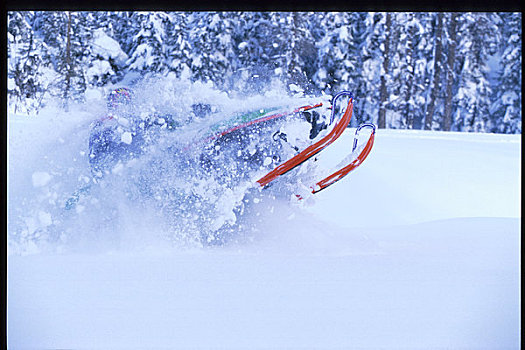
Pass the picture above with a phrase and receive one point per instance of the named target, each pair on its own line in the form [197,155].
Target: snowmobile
[259,146]
[252,127]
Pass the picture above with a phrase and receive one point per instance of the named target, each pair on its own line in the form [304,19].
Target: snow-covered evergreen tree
[409,70]
[476,39]
[338,52]
[340,63]
[122,28]
[451,45]
[178,47]
[301,51]
[65,38]
[402,72]
[24,74]
[260,51]
[356,47]
[66,35]
[148,51]
[107,62]
[434,102]
[506,109]
[71,66]
[212,46]
[277,45]
[423,59]
[387,46]
[324,76]
[372,56]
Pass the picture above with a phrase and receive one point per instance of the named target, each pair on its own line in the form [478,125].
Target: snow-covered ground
[418,248]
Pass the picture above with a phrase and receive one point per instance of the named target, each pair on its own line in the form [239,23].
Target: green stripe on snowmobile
[242,118]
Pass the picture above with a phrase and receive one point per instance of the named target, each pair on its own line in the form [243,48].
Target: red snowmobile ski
[337,129]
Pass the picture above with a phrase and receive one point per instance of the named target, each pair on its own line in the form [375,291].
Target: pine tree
[450,72]
[24,75]
[506,108]
[261,51]
[408,70]
[340,63]
[325,74]
[178,47]
[282,39]
[302,53]
[402,69]
[106,61]
[436,74]
[147,54]
[385,72]
[372,53]
[477,37]
[212,46]
[354,81]
[66,35]
[123,28]
[71,67]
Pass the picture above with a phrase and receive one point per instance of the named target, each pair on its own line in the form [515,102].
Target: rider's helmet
[118,98]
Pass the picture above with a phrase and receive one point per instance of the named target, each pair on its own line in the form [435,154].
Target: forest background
[458,71]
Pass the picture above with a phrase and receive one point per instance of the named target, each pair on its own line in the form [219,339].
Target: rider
[116,136]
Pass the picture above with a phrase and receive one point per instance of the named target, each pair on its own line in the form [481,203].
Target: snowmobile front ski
[343,169]
[346,169]
[317,147]
[349,164]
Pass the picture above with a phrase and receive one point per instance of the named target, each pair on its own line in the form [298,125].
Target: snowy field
[419,248]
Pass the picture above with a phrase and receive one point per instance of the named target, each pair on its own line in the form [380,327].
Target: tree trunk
[437,73]
[295,69]
[68,62]
[409,117]
[451,59]
[292,64]
[381,122]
